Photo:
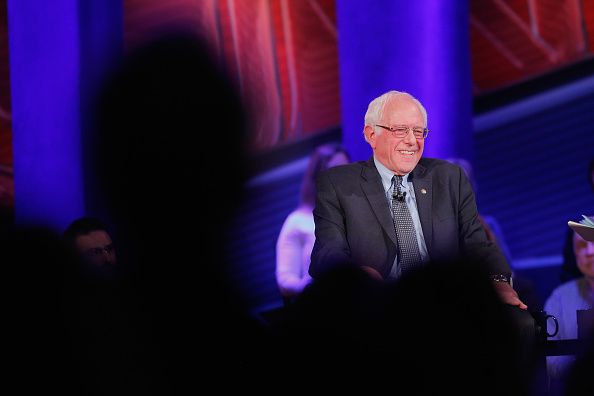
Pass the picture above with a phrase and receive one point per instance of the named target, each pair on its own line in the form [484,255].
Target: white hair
[376,107]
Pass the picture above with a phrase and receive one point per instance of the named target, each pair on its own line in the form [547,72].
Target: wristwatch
[501,278]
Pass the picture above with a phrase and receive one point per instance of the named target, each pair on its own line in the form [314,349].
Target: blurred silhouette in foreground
[171,163]
[441,329]
[41,313]
[297,236]
[579,378]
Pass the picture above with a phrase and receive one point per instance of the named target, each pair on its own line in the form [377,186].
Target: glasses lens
[400,130]
[419,132]
[94,252]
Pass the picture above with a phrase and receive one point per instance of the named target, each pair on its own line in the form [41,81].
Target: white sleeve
[289,255]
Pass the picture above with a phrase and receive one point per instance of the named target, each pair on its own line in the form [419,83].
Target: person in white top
[567,299]
[296,238]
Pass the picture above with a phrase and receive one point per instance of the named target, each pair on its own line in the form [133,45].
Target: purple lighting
[421,47]
[58,51]
[44,67]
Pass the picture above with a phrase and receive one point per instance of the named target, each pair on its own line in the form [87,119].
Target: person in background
[565,300]
[296,238]
[165,164]
[569,269]
[92,241]
[108,304]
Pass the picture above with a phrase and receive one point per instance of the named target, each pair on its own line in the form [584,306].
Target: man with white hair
[398,211]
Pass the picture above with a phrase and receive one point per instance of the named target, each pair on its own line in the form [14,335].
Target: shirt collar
[386,175]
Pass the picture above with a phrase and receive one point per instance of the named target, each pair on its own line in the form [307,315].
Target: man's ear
[370,135]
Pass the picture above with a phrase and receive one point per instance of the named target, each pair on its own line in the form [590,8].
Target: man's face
[584,255]
[97,248]
[400,155]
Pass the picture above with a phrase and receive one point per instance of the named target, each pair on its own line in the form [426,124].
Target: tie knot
[397,192]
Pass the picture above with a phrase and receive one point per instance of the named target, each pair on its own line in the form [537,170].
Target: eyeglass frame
[408,129]
[98,251]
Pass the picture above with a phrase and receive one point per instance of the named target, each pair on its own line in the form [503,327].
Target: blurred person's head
[323,157]
[395,128]
[92,241]
[171,128]
[466,340]
[171,165]
[584,255]
[407,327]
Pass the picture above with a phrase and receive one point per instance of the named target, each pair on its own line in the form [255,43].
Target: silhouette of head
[92,241]
[171,163]
[322,158]
[171,134]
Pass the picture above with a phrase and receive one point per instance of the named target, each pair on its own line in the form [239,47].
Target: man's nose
[590,248]
[108,256]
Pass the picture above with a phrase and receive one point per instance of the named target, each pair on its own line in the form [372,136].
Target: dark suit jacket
[354,225]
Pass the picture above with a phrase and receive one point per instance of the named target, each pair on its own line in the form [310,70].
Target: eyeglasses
[98,251]
[401,131]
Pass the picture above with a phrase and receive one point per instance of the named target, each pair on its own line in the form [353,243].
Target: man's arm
[331,247]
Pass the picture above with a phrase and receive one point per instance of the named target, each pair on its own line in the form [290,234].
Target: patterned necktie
[408,248]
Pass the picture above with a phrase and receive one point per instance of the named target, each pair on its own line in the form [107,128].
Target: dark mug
[542,319]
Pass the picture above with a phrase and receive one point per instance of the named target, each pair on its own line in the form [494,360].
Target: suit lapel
[421,182]
[371,184]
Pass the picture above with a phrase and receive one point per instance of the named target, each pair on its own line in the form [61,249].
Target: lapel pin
[423,191]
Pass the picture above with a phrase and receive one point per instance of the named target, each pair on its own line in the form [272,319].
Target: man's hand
[508,295]
[373,273]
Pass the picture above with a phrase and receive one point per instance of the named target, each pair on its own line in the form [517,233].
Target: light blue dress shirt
[411,202]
